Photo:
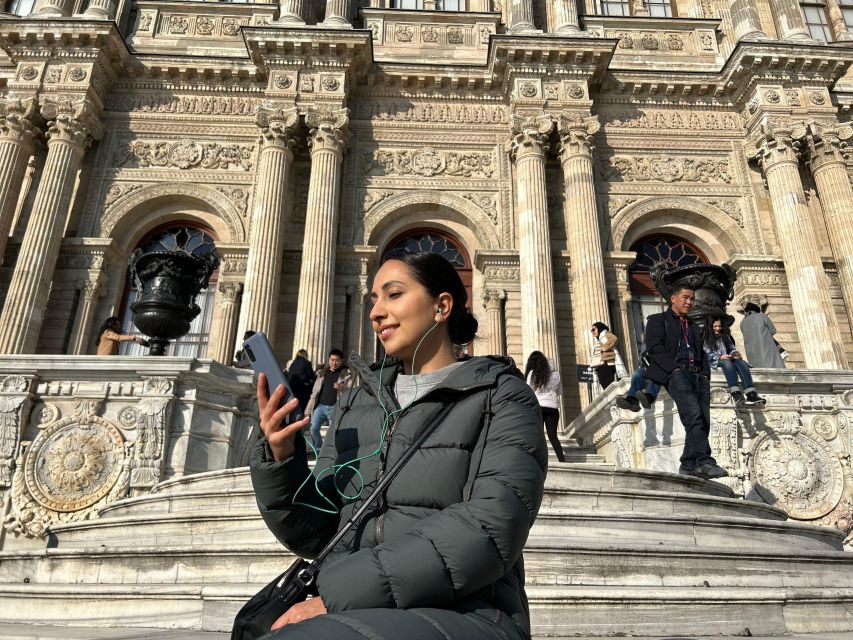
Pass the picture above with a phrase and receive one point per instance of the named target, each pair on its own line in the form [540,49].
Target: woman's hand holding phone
[280,437]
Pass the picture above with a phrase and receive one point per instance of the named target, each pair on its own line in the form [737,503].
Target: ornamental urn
[169,272]
[713,284]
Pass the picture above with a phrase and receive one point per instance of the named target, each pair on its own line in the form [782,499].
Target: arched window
[645,298]
[194,344]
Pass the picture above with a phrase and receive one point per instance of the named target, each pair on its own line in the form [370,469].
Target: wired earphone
[335,469]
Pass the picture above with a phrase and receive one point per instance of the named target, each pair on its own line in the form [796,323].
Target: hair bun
[464,329]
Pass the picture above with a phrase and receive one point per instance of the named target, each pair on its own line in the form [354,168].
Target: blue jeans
[734,368]
[638,380]
[321,415]
[691,393]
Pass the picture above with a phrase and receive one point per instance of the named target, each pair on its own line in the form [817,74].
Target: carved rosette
[74,466]
[16,120]
[14,403]
[278,126]
[328,129]
[529,136]
[577,132]
[797,473]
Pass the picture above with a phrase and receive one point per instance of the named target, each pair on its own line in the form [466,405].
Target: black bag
[294,585]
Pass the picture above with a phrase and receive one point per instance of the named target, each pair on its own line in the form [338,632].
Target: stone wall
[79,433]
[794,454]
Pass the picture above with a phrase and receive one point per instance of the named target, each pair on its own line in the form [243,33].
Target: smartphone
[260,354]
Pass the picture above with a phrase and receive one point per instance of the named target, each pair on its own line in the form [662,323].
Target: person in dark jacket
[679,362]
[301,377]
[440,557]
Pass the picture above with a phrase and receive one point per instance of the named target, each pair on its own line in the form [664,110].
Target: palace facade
[552,150]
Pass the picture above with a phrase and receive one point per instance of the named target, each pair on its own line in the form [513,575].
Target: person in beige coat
[606,350]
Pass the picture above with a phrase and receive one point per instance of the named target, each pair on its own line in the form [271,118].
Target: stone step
[584,499]
[577,475]
[561,561]
[562,612]
[685,530]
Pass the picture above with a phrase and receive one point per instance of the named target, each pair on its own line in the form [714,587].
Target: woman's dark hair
[108,324]
[600,326]
[438,276]
[708,334]
[751,306]
[538,365]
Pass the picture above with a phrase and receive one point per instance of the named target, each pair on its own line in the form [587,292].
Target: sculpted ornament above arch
[124,211]
[383,220]
[713,226]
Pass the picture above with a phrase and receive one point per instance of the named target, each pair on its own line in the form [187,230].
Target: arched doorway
[645,298]
[194,344]
[435,241]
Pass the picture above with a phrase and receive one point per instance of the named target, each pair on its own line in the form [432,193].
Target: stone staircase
[614,552]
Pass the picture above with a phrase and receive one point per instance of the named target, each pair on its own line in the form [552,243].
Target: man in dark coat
[679,363]
[301,377]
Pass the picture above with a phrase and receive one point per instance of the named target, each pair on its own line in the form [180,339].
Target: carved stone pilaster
[493,301]
[14,408]
[837,22]
[152,417]
[224,322]
[90,290]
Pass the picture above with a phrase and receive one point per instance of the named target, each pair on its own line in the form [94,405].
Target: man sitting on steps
[679,363]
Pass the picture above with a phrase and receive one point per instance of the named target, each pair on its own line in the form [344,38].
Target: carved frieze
[431,112]
[666,168]
[170,103]
[429,162]
[671,119]
[185,154]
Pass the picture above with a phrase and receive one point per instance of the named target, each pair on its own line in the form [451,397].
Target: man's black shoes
[753,398]
[707,471]
[738,398]
[628,402]
[646,399]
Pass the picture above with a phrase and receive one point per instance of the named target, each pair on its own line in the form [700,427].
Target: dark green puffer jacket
[423,546]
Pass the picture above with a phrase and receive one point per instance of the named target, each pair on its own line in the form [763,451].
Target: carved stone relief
[185,155]
[666,168]
[430,162]
[13,406]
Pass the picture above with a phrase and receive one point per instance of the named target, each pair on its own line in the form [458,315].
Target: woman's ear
[444,304]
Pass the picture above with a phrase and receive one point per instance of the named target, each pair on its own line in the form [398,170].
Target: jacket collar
[478,372]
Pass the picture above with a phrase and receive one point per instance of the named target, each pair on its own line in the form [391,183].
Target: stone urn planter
[169,273]
[714,286]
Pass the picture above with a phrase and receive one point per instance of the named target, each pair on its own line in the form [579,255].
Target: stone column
[17,135]
[222,344]
[589,289]
[745,20]
[538,318]
[777,151]
[327,139]
[81,332]
[837,22]
[836,197]
[493,301]
[263,268]
[292,11]
[521,16]
[70,126]
[100,10]
[53,9]
[338,14]
[790,21]
[563,17]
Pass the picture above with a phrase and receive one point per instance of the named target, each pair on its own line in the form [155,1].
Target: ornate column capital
[92,289]
[827,144]
[776,143]
[329,129]
[278,125]
[493,299]
[529,135]
[16,119]
[71,120]
[229,291]
[576,131]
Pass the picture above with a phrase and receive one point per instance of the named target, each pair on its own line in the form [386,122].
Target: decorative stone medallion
[797,473]
[77,75]
[29,73]
[527,89]
[72,466]
[825,427]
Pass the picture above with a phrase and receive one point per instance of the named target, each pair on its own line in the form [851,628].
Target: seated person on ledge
[720,348]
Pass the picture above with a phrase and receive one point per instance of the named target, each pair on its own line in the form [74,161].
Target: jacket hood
[476,372]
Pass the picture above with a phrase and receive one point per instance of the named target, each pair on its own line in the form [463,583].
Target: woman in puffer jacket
[439,558]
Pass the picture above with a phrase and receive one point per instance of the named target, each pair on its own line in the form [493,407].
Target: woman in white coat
[546,384]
